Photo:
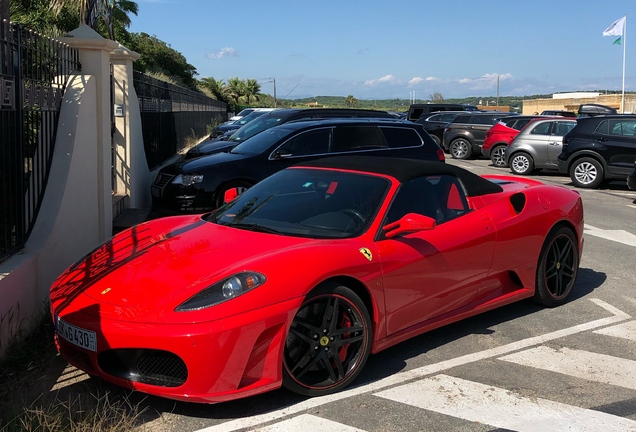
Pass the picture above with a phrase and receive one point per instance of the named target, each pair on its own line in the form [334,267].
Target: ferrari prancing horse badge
[367,253]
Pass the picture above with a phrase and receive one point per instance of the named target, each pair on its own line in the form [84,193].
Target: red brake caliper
[345,321]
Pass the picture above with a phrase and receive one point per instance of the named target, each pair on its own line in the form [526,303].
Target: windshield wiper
[253,227]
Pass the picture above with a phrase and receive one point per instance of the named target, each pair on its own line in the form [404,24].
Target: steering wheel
[354,214]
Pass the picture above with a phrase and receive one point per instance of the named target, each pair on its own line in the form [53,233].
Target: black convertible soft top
[406,169]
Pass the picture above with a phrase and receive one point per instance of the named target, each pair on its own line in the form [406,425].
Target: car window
[397,137]
[622,127]
[262,142]
[462,119]
[307,203]
[484,120]
[541,129]
[437,117]
[446,117]
[440,197]
[562,128]
[258,125]
[352,138]
[313,142]
[603,127]
[520,124]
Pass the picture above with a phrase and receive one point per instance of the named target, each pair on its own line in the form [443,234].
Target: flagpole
[624,48]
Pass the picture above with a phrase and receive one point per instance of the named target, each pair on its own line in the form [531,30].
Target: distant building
[571,102]
[502,108]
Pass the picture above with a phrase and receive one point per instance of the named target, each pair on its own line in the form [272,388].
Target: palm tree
[351,101]
[252,90]
[216,87]
[110,11]
[235,89]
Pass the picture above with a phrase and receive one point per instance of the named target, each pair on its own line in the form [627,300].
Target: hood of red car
[145,272]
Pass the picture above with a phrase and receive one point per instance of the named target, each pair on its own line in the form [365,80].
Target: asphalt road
[521,367]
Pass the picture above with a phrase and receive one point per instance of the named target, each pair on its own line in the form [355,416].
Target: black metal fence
[34,71]
[172,115]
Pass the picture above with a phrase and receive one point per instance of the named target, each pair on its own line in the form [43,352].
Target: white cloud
[415,81]
[225,52]
[432,79]
[384,79]
[485,82]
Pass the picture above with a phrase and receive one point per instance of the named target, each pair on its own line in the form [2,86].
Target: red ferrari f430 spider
[299,279]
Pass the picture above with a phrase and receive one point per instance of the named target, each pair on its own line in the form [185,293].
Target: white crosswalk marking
[502,408]
[626,331]
[307,423]
[580,364]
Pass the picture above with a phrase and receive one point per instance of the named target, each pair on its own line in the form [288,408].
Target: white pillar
[132,176]
[94,52]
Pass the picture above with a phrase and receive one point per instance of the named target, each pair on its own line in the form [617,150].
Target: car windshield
[262,142]
[304,202]
[260,124]
[248,118]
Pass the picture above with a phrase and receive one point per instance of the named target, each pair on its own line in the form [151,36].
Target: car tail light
[440,155]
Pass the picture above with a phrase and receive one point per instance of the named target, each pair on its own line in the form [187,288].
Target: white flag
[616,28]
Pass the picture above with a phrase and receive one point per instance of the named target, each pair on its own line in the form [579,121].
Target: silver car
[537,145]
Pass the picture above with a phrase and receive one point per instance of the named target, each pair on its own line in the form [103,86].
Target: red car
[501,135]
[299,279]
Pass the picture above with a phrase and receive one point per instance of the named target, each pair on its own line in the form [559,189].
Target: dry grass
[31,401]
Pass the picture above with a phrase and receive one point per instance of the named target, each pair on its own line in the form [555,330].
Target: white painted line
[307,423]
[626,331]
[502,408]
[619,236]
[632,206]
[580,364]
[399,378]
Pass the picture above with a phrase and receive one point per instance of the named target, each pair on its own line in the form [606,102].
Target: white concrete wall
[67,226]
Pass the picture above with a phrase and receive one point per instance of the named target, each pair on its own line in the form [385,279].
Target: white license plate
[77,336]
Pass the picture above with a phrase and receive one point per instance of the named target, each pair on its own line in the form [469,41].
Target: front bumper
[178,198]
[223,360]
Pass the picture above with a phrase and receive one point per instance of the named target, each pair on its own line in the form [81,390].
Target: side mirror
[411,222]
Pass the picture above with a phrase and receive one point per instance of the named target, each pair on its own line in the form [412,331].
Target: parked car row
[276,118]
[590,149]
[205,183]
[233,125]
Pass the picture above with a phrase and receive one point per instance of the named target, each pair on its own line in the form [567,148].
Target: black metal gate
[170,114]
[34,71]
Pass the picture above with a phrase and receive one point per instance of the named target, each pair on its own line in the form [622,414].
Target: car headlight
[224,290]
[188,179]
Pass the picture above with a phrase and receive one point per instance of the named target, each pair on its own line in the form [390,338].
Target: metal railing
[170,115]
[34,71]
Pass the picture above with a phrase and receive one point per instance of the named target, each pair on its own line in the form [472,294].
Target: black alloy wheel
[461,148]
[497,156]
[328,342]
[558,267]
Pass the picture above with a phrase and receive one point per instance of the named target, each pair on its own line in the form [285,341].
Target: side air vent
[518,202]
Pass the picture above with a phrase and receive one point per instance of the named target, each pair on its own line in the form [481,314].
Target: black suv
[465,134]
[207,182]
[599,148]
[435,123]
[416,111]
[275,118]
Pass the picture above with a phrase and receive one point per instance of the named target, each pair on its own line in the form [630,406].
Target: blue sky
[385,49]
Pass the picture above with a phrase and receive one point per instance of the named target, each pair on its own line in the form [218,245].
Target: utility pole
[497,92]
